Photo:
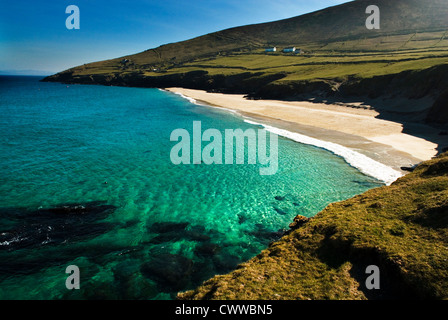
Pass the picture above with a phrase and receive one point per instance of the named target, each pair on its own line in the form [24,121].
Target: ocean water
[86,179]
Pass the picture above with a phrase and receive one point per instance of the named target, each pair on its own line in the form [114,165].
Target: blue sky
[33,35]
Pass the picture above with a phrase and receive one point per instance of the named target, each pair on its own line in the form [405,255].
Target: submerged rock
[53,226]
[202,271]
[196,236]
[225,262]
[409,169]
[280,211]
[207,249]
[166,237]
[242,219]
[164,227]
[130,282]
[170,271]
[174,236]
[261,233]
[174,231]
[92,208]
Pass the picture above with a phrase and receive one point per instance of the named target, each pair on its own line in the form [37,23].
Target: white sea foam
[252,122]
[357,160]
[183,96]
[13,240]
[194,101]
[187,98]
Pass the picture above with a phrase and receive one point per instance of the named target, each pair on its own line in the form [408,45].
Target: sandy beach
[354,128]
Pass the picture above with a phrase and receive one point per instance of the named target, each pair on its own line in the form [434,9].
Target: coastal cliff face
[402,229]
[438,112]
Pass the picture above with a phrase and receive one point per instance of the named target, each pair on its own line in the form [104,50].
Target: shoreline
[357,131]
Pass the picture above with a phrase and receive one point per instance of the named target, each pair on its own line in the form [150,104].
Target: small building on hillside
[290,49]
[271,49]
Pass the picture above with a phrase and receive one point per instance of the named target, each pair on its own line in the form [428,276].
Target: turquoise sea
[86,179]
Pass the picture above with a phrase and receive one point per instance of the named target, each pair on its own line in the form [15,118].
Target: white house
[290,49]
[271,49]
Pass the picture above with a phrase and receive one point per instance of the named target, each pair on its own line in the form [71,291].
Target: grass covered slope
[403,229]
[405,24]
[341,59]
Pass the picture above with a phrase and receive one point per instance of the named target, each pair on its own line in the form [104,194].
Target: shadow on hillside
[336,253]
[413,121]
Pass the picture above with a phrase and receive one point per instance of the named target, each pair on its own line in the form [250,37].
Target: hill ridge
[339,51]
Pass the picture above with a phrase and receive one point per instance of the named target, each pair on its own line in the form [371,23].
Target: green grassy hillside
[338,51]
[403,229]
[405,25]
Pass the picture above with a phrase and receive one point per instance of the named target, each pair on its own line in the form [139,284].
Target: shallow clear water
[154,228]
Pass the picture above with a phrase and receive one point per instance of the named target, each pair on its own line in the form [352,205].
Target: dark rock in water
[268,235]
[22,266]
[196,236]
[74,209]
[408,169]
[124,269]
[130,223]
[25,262]
[362,183]
[264,234]
[175,231]
[167,237]
[173,236]
[99,291]
[137,287]
[197,229]
[242,219]
[199,233]
[225,262]
[95,207]
[170,271]
[279,198]
[67,223]
[280,211]
[130,283]
[164,227]
[295,204]
[129,251]
[207,249]
[202,271]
